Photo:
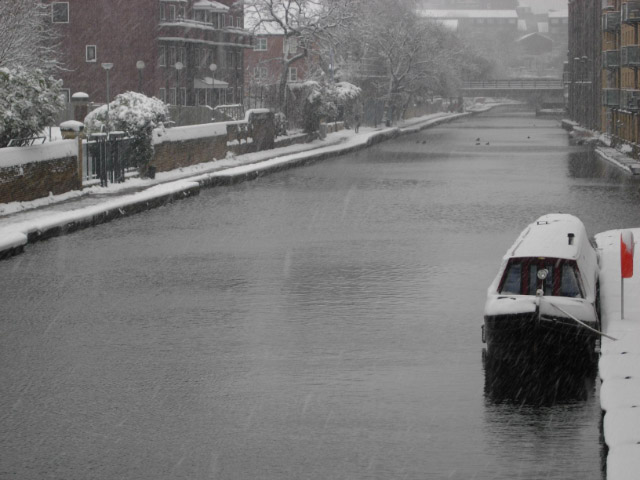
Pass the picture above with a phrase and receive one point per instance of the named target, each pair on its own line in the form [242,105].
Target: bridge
[538,91]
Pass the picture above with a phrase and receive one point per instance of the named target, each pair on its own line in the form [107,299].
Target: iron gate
[107,158]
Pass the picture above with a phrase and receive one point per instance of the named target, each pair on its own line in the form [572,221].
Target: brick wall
[183,153]
[19,183]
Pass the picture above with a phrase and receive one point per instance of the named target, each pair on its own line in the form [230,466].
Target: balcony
[629,100]
[611,59]
[630,56]
[631,12]
[610,21]
[610,97]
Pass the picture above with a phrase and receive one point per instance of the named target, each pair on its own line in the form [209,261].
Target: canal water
[319,323]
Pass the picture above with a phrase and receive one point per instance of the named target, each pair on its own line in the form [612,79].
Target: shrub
[29,102]
[136,115]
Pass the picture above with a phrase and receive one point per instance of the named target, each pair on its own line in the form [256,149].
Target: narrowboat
[544,299]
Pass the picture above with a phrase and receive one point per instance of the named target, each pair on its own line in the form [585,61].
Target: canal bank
[69,213]
[619,365]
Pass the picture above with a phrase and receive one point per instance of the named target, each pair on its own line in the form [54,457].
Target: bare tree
[27,38]
[304,24]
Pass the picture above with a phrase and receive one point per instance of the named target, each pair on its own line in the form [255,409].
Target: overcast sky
[541,6]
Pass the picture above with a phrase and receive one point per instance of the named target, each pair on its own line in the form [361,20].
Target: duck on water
[544,299]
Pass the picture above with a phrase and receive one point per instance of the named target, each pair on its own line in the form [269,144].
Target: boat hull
[522,336]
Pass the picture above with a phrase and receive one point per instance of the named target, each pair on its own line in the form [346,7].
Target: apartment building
[620,65]
[185,52]
[583,70]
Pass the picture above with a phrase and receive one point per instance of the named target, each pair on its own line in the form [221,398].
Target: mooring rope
[580,322]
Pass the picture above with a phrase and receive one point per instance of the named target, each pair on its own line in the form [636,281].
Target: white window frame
[239,22]
[95,53]
[52,8]
[183,97]
[173,96]
[172,13]
[290,74]
[261,45]
[163,94]
[288,43]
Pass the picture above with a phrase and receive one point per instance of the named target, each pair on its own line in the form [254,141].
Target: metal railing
[516,84]
[107,158]
[234,112]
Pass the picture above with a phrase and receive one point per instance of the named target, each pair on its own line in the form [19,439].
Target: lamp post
[140,66]
[107,67]
[178,66]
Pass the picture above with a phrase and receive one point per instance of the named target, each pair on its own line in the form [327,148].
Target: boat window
[512,280]
[569,286]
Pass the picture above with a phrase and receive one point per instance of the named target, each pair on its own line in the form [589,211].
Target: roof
[458,14]
[548,237]
[210,5]
[533,35]
[559,14]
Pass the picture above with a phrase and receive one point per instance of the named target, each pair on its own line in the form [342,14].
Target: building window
[60,12]
[162,56]
[172,96]
[183,96]
[290,46]
[163,95]
[293,74]
[182,56]
[181,12]
[261,44]
[260,73]
[163,13]
[230,58]
[230,21]
[66,94]
[172,12]
[172,56]
[239,22]
[200,16]
[90,53]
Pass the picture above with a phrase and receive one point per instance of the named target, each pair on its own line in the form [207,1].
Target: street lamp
[107,67]
[140,66]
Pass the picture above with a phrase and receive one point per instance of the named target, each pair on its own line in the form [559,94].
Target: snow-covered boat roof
[549,237]
[457,14]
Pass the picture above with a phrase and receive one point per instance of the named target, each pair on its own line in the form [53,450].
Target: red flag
[626,254]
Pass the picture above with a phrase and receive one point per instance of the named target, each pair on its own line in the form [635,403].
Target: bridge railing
[516,84]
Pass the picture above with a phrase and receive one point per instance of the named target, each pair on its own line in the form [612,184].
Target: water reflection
[541,381]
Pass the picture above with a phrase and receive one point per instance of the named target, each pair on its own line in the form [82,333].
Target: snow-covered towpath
[620,360]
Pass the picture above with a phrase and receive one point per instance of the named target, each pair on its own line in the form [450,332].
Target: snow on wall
[181,134]
[15,156]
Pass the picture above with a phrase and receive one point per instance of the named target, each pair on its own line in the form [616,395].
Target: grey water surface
[319,323]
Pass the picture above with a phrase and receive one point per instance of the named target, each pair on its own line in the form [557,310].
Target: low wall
[27,173]
[184,146]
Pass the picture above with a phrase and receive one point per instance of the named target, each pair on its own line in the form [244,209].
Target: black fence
[107,158]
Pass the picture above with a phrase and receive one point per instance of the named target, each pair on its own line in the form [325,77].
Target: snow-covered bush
[325,100]
[136,115]
[29,102]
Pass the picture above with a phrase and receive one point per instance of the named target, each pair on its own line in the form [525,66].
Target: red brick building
[263,63]
[163,48]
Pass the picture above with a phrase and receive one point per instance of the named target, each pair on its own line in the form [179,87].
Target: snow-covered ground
[620,360]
